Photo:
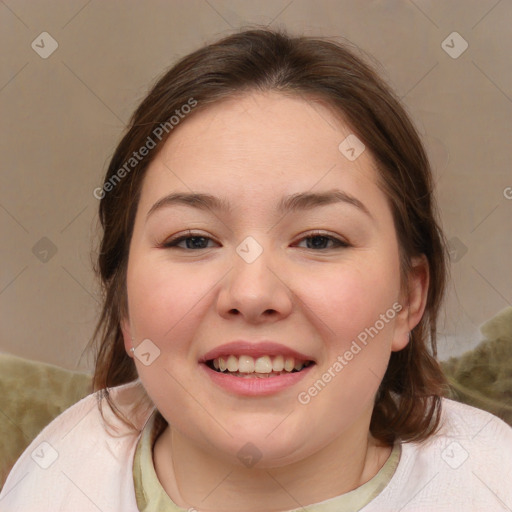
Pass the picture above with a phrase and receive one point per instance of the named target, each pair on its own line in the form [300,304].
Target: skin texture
[252,150]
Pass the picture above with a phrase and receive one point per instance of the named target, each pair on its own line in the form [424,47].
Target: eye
[319,241]
[192,241]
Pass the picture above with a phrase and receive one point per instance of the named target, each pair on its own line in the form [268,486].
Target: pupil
[317,245]
[194,245]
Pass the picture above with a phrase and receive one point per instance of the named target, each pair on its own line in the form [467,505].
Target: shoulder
[470,435]
[467,435]
[467,462]
[83,454]
[459,419]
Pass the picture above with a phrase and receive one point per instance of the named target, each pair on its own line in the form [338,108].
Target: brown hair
[408,402]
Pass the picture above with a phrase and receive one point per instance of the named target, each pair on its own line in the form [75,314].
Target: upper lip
[247,348]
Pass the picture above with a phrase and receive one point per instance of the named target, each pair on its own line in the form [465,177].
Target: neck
[195,478]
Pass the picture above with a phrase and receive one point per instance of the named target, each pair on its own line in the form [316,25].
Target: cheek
[163,298]
[349,299]
[165,305]
[352,309]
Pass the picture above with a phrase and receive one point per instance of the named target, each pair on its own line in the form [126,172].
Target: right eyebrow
[194,200]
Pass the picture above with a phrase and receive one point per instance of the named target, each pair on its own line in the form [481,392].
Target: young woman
[273,271]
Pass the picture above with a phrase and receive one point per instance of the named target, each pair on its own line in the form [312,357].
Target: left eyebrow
[309,200]
[294,202]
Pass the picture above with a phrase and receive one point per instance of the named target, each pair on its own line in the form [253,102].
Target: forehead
[260,126]
[257,144]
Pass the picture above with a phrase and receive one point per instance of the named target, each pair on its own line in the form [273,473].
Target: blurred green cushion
[32,394]
[483,377]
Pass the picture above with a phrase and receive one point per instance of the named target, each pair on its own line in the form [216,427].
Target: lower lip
[255,386]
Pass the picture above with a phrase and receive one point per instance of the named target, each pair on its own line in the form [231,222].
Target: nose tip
[252,289]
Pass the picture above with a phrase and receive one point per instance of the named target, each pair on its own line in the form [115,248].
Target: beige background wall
[62,116]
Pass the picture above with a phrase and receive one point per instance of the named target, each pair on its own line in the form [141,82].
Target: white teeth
[245,364]
[264,365]
[232,364]
[289,364]
[278,364]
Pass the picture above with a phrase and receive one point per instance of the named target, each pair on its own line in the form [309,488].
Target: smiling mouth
[262,367]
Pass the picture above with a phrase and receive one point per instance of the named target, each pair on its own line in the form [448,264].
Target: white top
[77,464]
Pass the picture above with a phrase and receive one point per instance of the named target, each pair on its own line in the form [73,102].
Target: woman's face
[319,277]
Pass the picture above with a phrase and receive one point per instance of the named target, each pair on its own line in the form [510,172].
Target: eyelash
[173,243]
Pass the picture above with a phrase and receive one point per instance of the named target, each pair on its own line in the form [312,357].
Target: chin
[261,451]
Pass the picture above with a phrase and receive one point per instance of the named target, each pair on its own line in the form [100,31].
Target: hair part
[408,402]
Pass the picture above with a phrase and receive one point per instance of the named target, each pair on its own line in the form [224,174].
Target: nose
[256,291]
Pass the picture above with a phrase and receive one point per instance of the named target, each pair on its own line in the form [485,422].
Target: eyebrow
[294,202]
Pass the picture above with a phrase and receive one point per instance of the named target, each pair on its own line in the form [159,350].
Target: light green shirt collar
[151,496]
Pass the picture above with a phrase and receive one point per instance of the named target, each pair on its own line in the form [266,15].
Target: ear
[413,300]
[127,335]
